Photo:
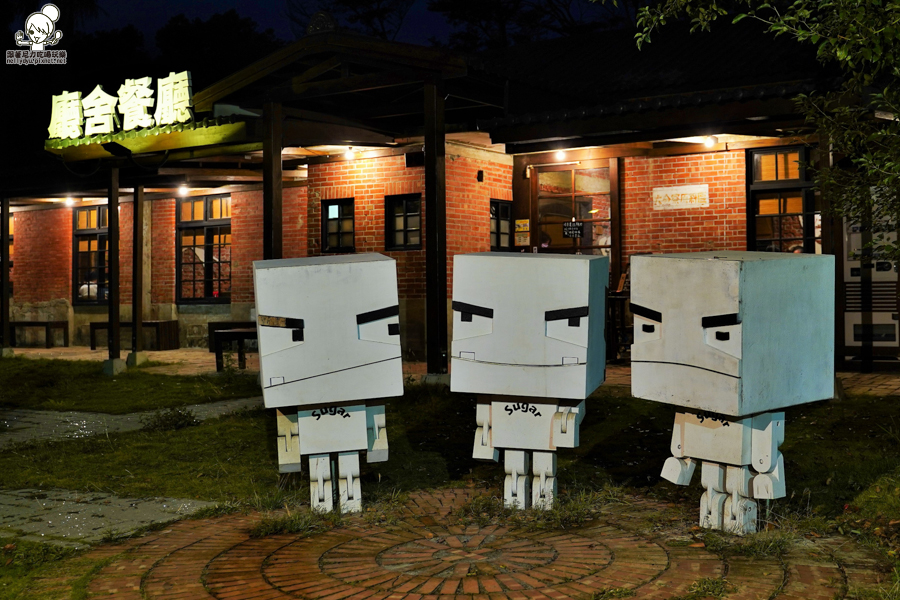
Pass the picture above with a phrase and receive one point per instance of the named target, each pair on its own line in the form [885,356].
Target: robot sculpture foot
[678,470]
[517,487]
[740,509]
[543,489]
[348,482]
[320,490]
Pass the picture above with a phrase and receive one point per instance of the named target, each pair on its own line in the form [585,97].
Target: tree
[497,24]
[858,119]
[379,18]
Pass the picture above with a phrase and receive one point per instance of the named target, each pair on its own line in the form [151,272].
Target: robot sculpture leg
[348,482]
[517,487]
[543,489]
[320,490]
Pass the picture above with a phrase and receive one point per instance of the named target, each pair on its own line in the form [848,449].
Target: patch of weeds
[304,522]
[706,588]
[220,509]
[483,510]
[763,544]
[385,509]
[171,419]
[30,555]
[888,592]
[607,593]
[152,363]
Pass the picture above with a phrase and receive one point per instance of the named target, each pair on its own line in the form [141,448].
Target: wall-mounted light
[349,154]
[560,155]
[69,202]
[183,191]
[710,141]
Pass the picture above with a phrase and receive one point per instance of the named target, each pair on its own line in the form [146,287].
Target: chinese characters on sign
[72,116]
[681,196]
[523,232]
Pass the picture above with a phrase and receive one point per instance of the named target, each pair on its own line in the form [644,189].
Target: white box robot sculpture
[329,339]
[733,338]
[528,336]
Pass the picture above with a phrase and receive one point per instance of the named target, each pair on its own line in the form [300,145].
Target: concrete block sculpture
[528,338]
[329,341]
[733,338]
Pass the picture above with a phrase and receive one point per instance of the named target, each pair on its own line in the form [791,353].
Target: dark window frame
[390,230]
[501,204]
[211,228]
[341,203]
[101,235]
[802,184]
[10,241]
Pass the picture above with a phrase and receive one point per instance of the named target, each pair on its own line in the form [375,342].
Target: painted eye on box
[471,320]
[279,333]
[568,325]
[723,332]
[382,325]
[647,323]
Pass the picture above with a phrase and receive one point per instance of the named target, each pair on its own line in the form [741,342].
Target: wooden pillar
[435,230]
[112,268]
[137,272]
[5,333]
[272,199]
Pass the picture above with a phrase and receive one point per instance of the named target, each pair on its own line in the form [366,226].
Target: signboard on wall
[573,229]
[523,232]
[681,196]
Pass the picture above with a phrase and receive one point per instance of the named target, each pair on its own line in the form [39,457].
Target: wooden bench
[213,326]
[221,336]
[48,326]
[166,332]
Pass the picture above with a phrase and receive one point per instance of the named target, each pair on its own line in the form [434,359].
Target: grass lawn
[842,465]
[80,385]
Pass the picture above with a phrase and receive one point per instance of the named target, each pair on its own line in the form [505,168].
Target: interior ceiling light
[711,141]
[560,155]
[183,191]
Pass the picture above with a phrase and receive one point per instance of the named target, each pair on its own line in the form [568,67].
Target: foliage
[80,385]
[762,544]
[304,522]
[379,18]
[856,120]
[608,593]
[169,420]
[708,587]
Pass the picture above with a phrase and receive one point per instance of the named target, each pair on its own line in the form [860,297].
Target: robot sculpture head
[529,324]
[735,333]
[328,329]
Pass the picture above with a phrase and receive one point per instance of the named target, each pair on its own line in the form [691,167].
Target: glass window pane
[789,165]
[493,225]
[226,208]
[198,210]
[494,208]
[413,207]
[347,240]
[592,181]
[505,210]
[82,245]
[347,210]
[12,226]
[493,240]
[333,240]
[504,240]
[333,211]
[599,208]
[92,218]
[504,226]
[413,238]
[552,236]
[555,182]
[104,216]
[764,167]
[215,208]
[347,225]
[186,212]
[596,234]
[332,226]
[398,238]
[793,203]
[557,209]
[398,208]
[398,223]
[413,222]
[767,228]
[768,204]
[583,208]
[791,227]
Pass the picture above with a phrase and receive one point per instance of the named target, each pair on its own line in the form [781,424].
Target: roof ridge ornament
[321,22]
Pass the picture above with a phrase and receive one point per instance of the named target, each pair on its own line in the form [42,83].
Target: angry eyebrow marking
[566,313]
[468,310]
[377,315]
[647,313]
[720,320]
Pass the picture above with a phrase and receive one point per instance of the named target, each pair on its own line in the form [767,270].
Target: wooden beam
[210,173]
[5,332]
[112,268]
[435,230]
[137,271]
[272,175]
[355,83]
[320,69]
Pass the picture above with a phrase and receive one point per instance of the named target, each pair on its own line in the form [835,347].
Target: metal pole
[112,268]
[435,229]
[137,272]
[272,199]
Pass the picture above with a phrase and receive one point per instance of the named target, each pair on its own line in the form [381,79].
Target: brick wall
[43,255]
[368,181]
[294,222]
[469,201]
[720,226]
[246,242]
[126,244]
[162,251]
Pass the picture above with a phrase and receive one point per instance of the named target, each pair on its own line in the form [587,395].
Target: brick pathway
[428,556]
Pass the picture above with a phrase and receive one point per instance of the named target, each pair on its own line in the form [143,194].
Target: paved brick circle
[427,556]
